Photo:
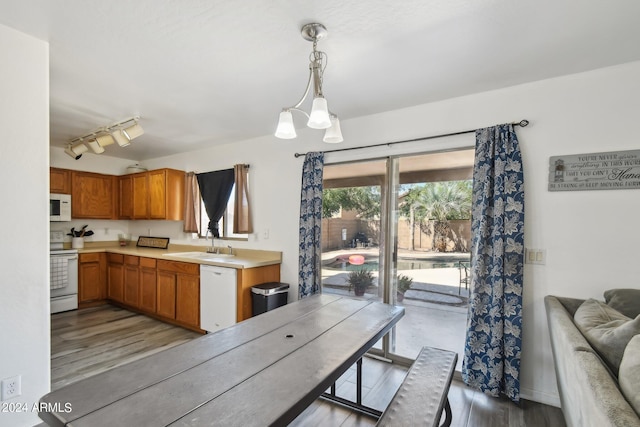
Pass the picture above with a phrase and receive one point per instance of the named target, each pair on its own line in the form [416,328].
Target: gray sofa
[590,393]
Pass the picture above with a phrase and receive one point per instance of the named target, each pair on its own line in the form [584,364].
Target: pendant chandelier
[320,117]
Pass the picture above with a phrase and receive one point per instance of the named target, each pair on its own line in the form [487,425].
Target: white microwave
[59,207]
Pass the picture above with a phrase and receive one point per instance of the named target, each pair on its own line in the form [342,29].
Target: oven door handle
[67,257]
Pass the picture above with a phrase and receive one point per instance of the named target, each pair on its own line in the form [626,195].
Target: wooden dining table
[263,371]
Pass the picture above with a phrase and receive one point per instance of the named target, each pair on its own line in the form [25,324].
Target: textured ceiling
[207,72]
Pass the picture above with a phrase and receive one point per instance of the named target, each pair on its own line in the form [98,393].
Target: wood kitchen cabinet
[125,195]
[166,194]
[157,194]
[93,195]
[148,279]
[59,181]
[131,281]
[188,299]
[140,196]
[92,269]
[166,294]
[178,290]
[115,277]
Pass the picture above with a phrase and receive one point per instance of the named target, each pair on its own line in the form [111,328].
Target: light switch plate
[535,256]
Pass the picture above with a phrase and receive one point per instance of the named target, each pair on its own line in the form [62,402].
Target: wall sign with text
[613,170]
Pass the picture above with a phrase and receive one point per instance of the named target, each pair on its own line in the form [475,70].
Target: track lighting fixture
[122,132]
[320,116]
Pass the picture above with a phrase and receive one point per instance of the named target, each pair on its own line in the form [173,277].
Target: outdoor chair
[465,278]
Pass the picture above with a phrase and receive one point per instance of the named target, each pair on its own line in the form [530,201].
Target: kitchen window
[226,222]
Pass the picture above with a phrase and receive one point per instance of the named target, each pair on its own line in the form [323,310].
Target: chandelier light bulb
[285,129]
[333,135]
[319,117]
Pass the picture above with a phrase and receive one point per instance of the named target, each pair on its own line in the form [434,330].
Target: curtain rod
[521,123]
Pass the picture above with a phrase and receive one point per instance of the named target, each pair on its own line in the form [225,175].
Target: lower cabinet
[179,292]
[166,294]
[115,277]
[167,290]
[92,272]
[188,299]
[131,281]
[148,278]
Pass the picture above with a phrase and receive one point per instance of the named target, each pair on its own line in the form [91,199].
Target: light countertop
[243,258]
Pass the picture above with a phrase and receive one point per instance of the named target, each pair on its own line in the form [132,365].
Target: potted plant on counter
[404,284]
[360,280]
[77,236]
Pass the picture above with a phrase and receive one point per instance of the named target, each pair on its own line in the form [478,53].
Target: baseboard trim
[540,397]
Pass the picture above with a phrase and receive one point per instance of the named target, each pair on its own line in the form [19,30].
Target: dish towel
[59,272]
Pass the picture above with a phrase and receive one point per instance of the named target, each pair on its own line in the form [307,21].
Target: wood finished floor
[87,342]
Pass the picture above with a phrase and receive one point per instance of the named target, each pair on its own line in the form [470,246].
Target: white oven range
[63,275]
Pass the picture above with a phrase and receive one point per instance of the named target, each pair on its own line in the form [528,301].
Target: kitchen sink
[205,256]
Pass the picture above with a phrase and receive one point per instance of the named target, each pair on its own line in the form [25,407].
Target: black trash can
[268,296]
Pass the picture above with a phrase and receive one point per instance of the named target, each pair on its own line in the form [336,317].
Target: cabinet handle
[217,273]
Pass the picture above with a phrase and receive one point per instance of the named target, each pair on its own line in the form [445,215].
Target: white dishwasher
[218,297]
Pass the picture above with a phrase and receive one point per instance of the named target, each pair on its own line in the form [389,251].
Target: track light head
[76,151]
[133,131]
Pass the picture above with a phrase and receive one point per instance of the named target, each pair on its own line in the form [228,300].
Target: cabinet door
[59,181]
[148,278]
[91,277]
[188,299]
[140,196]
[115,279]
[166,294]
[131,285]
[125,190]
[157,194]
[92,195]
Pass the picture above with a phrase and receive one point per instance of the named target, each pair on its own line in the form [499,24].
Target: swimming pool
[403,263]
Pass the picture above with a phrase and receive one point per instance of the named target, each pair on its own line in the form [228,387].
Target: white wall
[590,237]
[24,173]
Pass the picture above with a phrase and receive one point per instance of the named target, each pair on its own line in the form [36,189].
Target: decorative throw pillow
[629,377]
[607,330]
[626,301]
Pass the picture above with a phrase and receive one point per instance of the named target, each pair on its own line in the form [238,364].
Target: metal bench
[423,394]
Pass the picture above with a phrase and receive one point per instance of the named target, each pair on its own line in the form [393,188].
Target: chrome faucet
[212,249]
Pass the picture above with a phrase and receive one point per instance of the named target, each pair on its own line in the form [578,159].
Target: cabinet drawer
[131,260]
[94,257]
[179,267]
[116,258]
[147,262]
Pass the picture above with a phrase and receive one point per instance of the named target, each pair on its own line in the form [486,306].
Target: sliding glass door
[397,230]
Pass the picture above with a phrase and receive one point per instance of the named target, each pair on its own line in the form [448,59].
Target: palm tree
[439,202]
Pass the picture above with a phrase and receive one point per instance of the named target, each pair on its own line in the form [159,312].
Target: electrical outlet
[11,387]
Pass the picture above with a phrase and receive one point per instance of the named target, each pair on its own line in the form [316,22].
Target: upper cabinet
[59,181]
[157,194]
[166,194]
[93,195]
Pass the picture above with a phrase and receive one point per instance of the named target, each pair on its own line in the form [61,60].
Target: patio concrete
[435,306]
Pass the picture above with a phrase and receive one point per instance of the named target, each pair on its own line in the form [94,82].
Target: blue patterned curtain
[493,345]
[310,222]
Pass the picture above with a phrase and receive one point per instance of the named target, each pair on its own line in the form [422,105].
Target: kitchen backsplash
[108,230]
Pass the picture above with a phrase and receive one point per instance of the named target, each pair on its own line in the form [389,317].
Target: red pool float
[356,259]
